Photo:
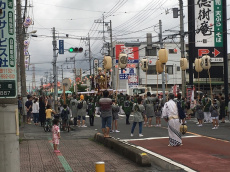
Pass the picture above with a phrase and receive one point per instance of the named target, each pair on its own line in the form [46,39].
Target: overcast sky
[77,19]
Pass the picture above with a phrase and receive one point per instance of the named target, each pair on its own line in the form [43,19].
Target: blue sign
[123,76]
[130,61]
[61,46]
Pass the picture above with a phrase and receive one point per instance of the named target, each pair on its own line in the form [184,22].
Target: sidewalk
[78,153]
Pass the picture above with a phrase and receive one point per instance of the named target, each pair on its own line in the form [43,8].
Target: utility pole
[111,54]
[89,55]
[182,45]
[9,123]
[55,70]
[163,73]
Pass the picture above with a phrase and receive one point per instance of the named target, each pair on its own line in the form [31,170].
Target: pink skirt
[56,141]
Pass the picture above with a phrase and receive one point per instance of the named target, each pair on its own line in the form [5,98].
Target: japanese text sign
[209,23]
[8,71]
[132,52]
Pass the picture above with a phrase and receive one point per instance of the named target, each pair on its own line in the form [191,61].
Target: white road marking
[153,138]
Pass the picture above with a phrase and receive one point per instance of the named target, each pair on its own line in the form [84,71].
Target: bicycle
[48,125]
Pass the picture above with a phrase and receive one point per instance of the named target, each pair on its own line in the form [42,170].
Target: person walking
[199,114]
[170,114]
[214,108]
[149,108]
[35,111]
[91,111]
[81,111]
[128,106]
[206,101]
[42,111]
[105,109]
[222,110]
[28,106]
[115,111]
[73,108]
[138,110]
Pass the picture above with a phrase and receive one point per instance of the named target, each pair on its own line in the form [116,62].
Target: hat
[81,97]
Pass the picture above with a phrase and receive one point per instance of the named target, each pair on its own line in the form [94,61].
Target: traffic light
[75,50]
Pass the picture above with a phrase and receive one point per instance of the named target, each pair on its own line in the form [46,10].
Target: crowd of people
[108,106]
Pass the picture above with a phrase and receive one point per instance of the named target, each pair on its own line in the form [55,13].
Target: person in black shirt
[28,105]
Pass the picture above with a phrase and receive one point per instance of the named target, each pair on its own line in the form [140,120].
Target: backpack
[64,114]
[80,105]
[180,111]
[126,104]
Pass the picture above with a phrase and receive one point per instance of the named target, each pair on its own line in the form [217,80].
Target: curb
[127,151]
[140,156]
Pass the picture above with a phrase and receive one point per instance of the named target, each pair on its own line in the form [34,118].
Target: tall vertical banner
[209,29]
[8,70]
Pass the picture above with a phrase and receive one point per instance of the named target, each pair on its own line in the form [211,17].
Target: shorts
[79,117]
[56,141]
[106,122]
[29,114]
[215,117]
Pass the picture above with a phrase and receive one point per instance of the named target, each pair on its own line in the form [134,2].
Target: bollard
[100,166]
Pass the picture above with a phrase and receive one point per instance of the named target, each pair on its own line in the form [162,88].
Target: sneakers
[83,126]
[56,151]
[111,131]
[131,135]
[215,128]
[197,123]
[200,125]
[117,131]
[141,135]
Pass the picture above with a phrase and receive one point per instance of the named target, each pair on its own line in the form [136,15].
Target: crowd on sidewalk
[144,109]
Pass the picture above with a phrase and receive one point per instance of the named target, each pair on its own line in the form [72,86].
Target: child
[56,135]
[214,114]
[115,110]
[91,110]
[49,112]
[64,116]
[157,109]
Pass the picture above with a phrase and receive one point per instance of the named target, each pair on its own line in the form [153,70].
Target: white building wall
[173,59]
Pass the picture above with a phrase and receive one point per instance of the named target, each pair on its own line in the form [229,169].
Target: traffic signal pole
[55,71]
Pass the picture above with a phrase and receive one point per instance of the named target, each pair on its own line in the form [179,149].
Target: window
[172,51]
[151,70]
[178,68]
[169,69]
[151,52]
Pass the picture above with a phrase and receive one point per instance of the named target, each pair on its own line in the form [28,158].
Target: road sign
[8,70]
[61,46]
[124,73]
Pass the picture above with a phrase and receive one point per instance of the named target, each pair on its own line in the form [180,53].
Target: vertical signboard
[8,71]
[61,47]
[209,29]
[95,68]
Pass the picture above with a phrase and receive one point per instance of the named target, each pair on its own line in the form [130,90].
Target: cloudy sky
[77,19]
